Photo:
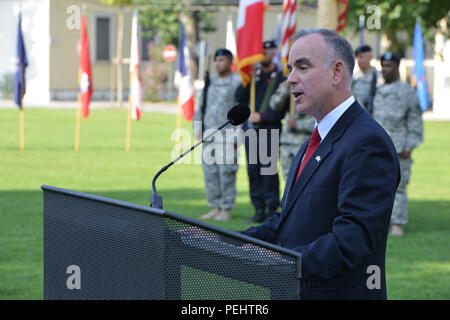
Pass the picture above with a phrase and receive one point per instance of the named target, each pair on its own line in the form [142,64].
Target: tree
[398,17]
[160,20]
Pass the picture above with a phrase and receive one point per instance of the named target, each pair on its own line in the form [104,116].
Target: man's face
[389,70]
[310,75]
[363,60]
[223,64]
[269,54]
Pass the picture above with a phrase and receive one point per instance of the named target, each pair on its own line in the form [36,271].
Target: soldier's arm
[272,116]
[278,106]
[414,122]
[279,98]
[305,124]
[198,108]
[242,94]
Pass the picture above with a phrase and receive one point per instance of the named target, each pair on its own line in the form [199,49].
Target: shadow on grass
[416,262]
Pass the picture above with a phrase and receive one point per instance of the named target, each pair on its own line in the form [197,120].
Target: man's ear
[338,72]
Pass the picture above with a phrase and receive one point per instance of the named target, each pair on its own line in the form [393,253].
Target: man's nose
[291,79]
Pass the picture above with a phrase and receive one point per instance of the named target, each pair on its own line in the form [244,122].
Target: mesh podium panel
[99,248]
[205,264]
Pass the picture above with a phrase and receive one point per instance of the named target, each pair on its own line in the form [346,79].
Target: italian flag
[250,26]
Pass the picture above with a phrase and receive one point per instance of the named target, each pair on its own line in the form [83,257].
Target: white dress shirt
[332,117]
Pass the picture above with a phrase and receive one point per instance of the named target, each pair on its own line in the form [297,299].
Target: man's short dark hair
[363,48]
[340,47]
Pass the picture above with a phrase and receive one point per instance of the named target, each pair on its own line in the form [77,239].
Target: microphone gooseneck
[236,116]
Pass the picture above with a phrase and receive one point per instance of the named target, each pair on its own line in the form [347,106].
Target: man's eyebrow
[303,61]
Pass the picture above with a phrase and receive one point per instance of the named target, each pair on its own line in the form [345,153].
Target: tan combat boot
[211,214]
[396,230]
[224,215]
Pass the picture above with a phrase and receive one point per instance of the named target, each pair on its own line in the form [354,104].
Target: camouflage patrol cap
[389,56]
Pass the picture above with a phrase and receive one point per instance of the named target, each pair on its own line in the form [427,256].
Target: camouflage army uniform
[396,108]
[220,178]
[361,86]
[291,139]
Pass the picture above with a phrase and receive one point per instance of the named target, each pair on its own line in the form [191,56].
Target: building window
[103,38]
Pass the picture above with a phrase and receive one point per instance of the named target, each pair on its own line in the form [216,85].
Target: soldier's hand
[253,70]
[292,123]
[255,117]
[405,154]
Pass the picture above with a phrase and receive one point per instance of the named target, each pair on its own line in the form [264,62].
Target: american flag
[288,29]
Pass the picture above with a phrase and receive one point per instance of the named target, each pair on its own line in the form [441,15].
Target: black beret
[389,56]
[363,48]
[269,44]
[223,52]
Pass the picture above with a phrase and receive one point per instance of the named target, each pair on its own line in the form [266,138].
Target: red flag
[342,18]
[249,36]
[85,75]
[183,78]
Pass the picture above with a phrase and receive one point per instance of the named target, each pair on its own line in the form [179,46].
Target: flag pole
[22,129]
[78,124]
[177,130]
[127,143]
[252,94]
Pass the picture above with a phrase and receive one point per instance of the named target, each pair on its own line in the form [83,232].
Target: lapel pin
[318,158]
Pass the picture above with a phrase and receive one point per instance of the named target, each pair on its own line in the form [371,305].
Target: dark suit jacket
[337,214]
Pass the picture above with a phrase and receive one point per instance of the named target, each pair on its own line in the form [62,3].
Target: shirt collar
[332,117]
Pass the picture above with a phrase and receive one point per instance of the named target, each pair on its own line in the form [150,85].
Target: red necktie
[312,146]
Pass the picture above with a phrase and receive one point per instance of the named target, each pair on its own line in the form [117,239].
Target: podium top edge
[103,199]
[175,216]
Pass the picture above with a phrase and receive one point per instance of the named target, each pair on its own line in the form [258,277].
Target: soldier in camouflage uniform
[297,128]
[366,79]
[219,155]
[397,109]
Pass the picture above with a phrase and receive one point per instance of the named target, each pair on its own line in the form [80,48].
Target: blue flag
[419,70]
[277,59]
[22,63]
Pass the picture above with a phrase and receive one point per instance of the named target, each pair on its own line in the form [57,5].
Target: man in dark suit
[340,190]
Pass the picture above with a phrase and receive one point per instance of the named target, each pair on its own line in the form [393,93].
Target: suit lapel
[293,171]
[325,148]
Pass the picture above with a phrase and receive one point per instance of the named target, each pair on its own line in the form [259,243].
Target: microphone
[236,116]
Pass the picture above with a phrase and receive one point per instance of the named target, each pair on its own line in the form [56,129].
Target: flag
[419,70]
[136,92]
[85,75]
[22,63]
[184,80]
[277,59]
[249,36]
[332,14]
[230,40]
[289,27]
[230,43]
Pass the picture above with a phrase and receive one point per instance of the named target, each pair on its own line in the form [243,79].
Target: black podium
[99,248]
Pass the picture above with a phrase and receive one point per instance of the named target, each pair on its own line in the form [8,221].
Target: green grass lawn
[418,264]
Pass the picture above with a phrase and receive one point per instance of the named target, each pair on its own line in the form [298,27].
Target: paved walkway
[162,107]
